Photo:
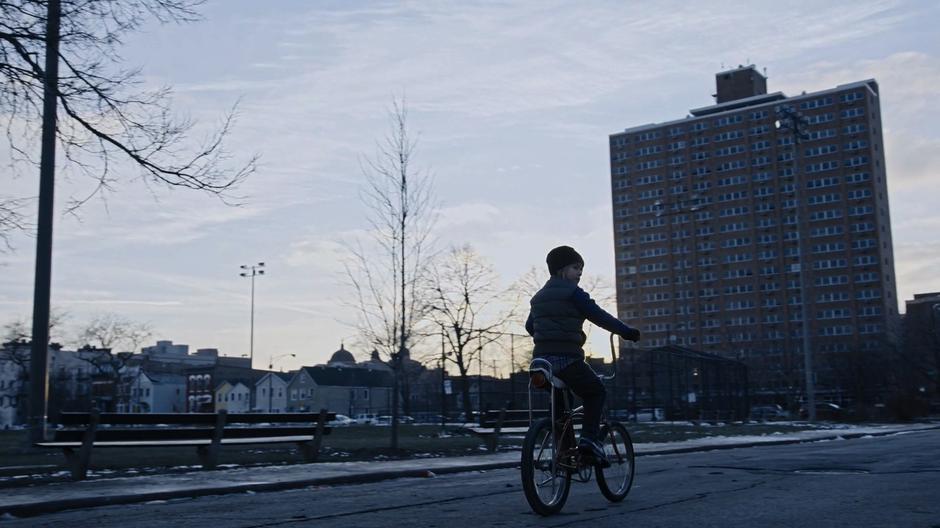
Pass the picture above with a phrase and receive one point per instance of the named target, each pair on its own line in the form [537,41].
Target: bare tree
[534,278]
[108,369]
[113,331]
[107,115]
[468,307]
[102,337]
[19,329]
[15,351]
[385,270]
[12,218]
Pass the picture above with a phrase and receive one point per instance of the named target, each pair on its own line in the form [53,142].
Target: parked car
[341,420]
[769,412]
[824,411]
[382,420]
[620,414]
[649,415]
[365,418]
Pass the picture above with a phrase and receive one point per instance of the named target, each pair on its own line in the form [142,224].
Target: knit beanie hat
[562,256]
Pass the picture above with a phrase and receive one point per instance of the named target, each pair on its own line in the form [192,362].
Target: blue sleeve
[597,315]
[528,325]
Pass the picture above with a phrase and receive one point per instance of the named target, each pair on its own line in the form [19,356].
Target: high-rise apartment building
[720,216]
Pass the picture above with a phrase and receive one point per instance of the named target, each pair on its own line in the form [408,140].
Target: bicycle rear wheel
[545,483]
[616,480]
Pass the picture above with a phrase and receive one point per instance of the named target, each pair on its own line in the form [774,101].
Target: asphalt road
[883,481]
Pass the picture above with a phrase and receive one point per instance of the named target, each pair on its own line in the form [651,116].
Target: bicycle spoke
[615,481]
[545,483]
[617,454]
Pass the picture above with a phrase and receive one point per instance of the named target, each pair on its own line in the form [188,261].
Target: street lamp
[795,122]
[680,206]
[271,376]
[252,271]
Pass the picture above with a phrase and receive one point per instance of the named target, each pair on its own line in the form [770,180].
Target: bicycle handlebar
[613,354]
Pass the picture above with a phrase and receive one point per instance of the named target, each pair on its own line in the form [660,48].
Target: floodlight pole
[251,271]
[796,123]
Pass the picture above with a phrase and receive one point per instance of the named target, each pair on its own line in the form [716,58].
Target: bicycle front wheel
[615,481]
[544,481]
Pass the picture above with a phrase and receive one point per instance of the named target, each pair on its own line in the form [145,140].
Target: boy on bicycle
[557,313]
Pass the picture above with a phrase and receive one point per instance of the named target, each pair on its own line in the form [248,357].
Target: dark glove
[631,335]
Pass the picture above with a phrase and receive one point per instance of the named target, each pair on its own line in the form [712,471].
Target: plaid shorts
[560,363]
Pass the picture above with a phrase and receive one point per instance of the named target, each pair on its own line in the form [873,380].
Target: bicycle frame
[545,367]
[551,456]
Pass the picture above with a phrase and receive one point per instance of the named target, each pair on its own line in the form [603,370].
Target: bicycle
[550,455]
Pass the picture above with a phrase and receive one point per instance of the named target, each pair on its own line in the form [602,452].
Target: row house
[271,392]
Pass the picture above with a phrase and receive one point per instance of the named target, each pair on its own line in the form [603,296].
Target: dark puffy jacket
[556,321]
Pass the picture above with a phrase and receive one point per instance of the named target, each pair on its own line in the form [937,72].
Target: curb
[52,506]
[788,441]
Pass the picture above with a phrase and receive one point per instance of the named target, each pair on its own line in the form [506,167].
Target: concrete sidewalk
[48,498]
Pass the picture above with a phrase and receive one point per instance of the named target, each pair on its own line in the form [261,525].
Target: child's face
[572,272]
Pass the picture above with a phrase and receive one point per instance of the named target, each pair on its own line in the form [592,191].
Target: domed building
[341,358]
[351,387]
[376,363]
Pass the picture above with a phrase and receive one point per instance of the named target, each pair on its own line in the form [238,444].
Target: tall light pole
[271,376]
[796,123]
[252,271]
[680,206]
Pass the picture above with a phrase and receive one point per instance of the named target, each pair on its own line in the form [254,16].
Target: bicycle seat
[540,375]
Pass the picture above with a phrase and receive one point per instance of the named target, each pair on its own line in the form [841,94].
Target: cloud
[916,266]
[466,215]
[317,255]
[514,101]
[117,302]
[913,161]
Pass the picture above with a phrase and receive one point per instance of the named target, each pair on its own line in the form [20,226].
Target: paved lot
[881,481]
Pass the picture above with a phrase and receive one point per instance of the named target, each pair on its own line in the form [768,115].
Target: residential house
[202,382]
[342,386]
[70,380]
[271,392]
[349,391]
[150,392]
[234,397]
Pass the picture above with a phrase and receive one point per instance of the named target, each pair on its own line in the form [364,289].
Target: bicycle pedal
[588,457]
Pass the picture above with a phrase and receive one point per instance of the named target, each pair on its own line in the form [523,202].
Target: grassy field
[22,465]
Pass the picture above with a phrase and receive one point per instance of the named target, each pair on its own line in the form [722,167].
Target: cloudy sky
[513,103]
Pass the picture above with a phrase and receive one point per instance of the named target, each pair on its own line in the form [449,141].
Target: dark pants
[583,381]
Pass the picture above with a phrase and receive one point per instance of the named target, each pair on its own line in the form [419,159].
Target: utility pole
[479,374]
[271,377]
[38,367]
[796,123]
[512,369]
[443,382]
